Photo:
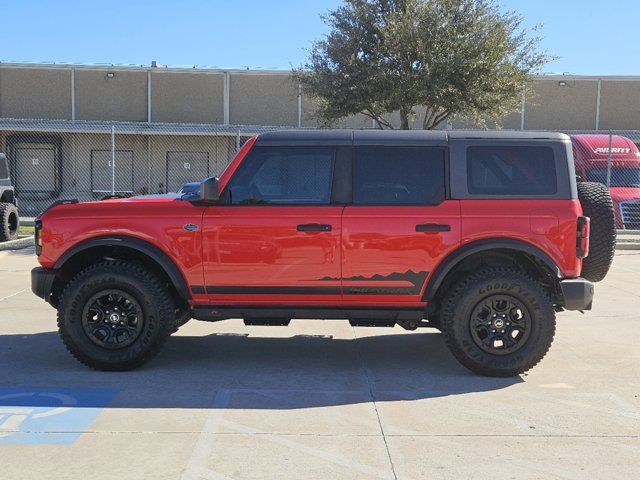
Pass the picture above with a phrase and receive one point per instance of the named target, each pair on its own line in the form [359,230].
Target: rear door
[399,225]
[276,237]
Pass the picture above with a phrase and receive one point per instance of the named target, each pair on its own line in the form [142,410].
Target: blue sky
[591,37]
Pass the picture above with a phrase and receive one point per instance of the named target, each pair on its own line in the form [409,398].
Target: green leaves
[450,57]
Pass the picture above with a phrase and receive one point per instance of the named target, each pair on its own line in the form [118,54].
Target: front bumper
[42,282]
[577,294]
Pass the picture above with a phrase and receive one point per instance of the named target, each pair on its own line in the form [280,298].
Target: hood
[622,194]
[147,205]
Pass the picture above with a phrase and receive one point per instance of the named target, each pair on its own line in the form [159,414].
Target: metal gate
[107,178]
[183,167]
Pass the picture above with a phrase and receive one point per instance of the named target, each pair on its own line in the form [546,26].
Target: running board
[281,316]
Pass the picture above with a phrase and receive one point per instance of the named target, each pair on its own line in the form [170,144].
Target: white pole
[148,96]
[113,160]
[73,94]
[299,106]
[598,99]
[522,107]
[225,98]
[609,159]
[238,141]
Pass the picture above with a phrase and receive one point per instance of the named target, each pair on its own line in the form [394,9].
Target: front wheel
[498,322]
[115,315]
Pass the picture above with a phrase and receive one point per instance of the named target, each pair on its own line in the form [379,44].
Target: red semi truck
[591,157]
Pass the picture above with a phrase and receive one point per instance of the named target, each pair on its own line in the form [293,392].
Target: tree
[450,57]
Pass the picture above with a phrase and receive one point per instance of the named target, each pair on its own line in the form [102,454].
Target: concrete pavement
[320,400]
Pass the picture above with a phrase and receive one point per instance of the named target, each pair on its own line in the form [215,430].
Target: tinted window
[4,172]
[284,176]
[398,176]
[511,171]
[620,177]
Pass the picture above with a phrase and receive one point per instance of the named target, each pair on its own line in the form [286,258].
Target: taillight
[582,237]
[37,226]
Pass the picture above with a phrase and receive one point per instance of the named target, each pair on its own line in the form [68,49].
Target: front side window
[620,176]
[4,170]
[398,176]
[511,171]
[284,176]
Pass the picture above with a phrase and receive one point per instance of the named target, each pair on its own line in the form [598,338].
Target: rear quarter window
[511,170]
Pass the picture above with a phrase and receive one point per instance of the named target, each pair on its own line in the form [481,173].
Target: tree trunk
[404,119]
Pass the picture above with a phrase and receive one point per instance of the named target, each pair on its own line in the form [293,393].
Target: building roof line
[249,71]
[130,128]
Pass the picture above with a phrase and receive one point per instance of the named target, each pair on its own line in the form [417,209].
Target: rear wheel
[9,222]
[597,205]
[498,322]
[115,315]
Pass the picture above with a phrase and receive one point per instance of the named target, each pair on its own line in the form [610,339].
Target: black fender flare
[458,255]
[156,254]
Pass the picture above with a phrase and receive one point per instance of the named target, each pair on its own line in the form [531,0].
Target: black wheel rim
[500,324]
[112,319]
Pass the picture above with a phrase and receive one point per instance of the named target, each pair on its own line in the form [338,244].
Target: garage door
[101,171]
[35,170]
[183,167]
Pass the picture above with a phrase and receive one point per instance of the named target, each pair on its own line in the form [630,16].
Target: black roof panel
[395,137]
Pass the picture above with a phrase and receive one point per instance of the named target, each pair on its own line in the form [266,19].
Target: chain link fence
[89,160]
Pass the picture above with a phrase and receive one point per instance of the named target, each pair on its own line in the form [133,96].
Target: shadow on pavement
[257,372]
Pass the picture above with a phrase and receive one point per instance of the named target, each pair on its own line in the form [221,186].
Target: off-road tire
[470,292]
[597,204]
[135,280]
[9,222]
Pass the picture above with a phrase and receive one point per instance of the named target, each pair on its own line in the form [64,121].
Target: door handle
[314,227]
[433,227]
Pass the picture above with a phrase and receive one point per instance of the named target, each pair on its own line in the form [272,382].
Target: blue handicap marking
[49,415]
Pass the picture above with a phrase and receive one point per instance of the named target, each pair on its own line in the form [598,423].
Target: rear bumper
[577,294]
[42,282]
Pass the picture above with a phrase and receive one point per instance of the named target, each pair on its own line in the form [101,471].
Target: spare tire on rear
[597,204]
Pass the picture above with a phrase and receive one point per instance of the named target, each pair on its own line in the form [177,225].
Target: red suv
[482,235]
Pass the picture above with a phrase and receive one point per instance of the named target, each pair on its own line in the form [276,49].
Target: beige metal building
[173,125]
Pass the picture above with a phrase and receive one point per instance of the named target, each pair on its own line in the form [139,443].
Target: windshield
[620,177]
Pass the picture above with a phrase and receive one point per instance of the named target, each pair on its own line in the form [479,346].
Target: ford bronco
[482,235]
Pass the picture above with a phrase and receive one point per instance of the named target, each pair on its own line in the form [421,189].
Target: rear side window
[4,170]
[511,171]
[284,176]
[398,176]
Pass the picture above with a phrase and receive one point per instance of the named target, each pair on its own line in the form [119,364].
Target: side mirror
[209,190]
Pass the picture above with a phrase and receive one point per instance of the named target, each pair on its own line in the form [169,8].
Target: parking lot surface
[320,400]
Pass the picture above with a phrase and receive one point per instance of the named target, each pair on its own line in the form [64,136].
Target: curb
[17,244]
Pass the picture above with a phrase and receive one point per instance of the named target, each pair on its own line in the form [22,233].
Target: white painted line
[197,468]
[12,295]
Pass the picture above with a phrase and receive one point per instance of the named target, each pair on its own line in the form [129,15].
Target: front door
[276,236]
[399,224]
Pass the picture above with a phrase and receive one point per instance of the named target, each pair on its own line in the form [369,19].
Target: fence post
[299,106]
[113,160]
[238,141]
[609,159]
